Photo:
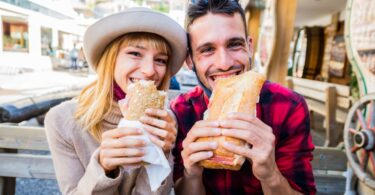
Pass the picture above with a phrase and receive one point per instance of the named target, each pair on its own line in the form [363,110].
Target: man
[279,160]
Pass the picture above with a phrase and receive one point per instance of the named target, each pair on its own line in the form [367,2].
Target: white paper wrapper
[158,168]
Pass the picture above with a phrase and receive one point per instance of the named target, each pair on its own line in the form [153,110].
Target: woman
[89,151]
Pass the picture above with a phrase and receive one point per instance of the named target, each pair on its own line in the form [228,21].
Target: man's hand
[260,138]
[193,152]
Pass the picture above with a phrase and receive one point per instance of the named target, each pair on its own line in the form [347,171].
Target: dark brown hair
[199,8]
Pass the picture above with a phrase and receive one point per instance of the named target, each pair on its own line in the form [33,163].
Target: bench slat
[311,93]
[342,90]
[26,166]
[21,137]
[316,106]
[343,102]
[330,184]
[329,159]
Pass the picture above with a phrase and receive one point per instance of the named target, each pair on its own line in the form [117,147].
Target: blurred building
[37,34]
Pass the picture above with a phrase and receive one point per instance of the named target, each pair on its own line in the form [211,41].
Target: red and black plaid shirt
[281,109]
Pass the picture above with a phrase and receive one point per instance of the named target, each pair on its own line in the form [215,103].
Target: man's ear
[250,44]
[189,62]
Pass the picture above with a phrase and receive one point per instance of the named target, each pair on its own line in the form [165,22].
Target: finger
[196,133]
[157,113]
[250,136]
[157,141]
[201,146]
[206,123]
[156,131]
[247,117]
[199,156]
[111,162]
[154,122]
[240,150]
[237,124]
[123,152]
[120,132]
[123,143]
[124,104]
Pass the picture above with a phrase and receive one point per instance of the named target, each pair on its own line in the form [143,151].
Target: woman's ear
[189,62]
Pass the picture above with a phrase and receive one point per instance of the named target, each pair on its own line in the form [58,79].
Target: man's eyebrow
[235,39]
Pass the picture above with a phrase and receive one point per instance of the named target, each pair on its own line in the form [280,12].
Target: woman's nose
[147,67]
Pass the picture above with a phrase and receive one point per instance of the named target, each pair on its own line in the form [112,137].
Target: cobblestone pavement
[36,187]
[25,186]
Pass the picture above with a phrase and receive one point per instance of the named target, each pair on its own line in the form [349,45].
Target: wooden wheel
[359,139]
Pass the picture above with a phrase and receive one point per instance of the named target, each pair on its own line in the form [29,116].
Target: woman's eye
[161,61]
[134,53]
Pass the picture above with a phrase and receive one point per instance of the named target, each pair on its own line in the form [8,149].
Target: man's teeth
[224,76]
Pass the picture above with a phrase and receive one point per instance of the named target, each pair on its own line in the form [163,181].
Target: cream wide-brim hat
[100,34]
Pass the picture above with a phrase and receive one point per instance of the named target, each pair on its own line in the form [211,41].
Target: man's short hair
[199,8]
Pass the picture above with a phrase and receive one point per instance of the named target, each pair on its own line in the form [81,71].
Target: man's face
[220,47]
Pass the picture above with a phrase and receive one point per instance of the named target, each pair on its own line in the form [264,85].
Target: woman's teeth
[133,80]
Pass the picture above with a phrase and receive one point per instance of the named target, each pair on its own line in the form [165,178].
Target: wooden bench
[329,166]
[14,164]
[329,100]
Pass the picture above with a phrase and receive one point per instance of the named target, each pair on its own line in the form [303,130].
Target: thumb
[124,104]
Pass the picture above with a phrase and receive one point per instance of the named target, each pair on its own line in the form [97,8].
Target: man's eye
[235,45]
[134,53]
[207,49]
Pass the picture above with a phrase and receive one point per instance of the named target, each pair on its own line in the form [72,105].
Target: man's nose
[223,60]
[147,67]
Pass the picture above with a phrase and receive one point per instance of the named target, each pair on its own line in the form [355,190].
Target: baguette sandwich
[234,94]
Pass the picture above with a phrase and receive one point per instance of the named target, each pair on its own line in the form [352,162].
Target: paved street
[27,85]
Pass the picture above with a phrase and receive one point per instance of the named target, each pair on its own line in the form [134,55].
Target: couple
[89,151]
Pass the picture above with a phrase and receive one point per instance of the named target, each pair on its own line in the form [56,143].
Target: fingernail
[231,114]
[226,144]
[217,131]
[209,154]
[143,118]
[213,145]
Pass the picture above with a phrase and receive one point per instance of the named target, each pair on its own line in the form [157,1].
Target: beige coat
[75,157]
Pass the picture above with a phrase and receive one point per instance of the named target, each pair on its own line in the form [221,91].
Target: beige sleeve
[71,175]
[143,186]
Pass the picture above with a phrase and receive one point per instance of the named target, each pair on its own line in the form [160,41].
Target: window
[46,39]
[15,35]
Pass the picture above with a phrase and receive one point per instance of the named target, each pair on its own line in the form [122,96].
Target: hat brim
[100,34]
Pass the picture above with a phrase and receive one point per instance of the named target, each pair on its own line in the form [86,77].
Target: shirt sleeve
[179,109]
[294,150]
[71,175]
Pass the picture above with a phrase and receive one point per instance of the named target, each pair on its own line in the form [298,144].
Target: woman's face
[140,62]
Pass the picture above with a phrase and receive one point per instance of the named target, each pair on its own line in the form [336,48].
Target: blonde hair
[95,101]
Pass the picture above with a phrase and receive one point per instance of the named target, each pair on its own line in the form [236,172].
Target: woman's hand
[117,149]
[162,127]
